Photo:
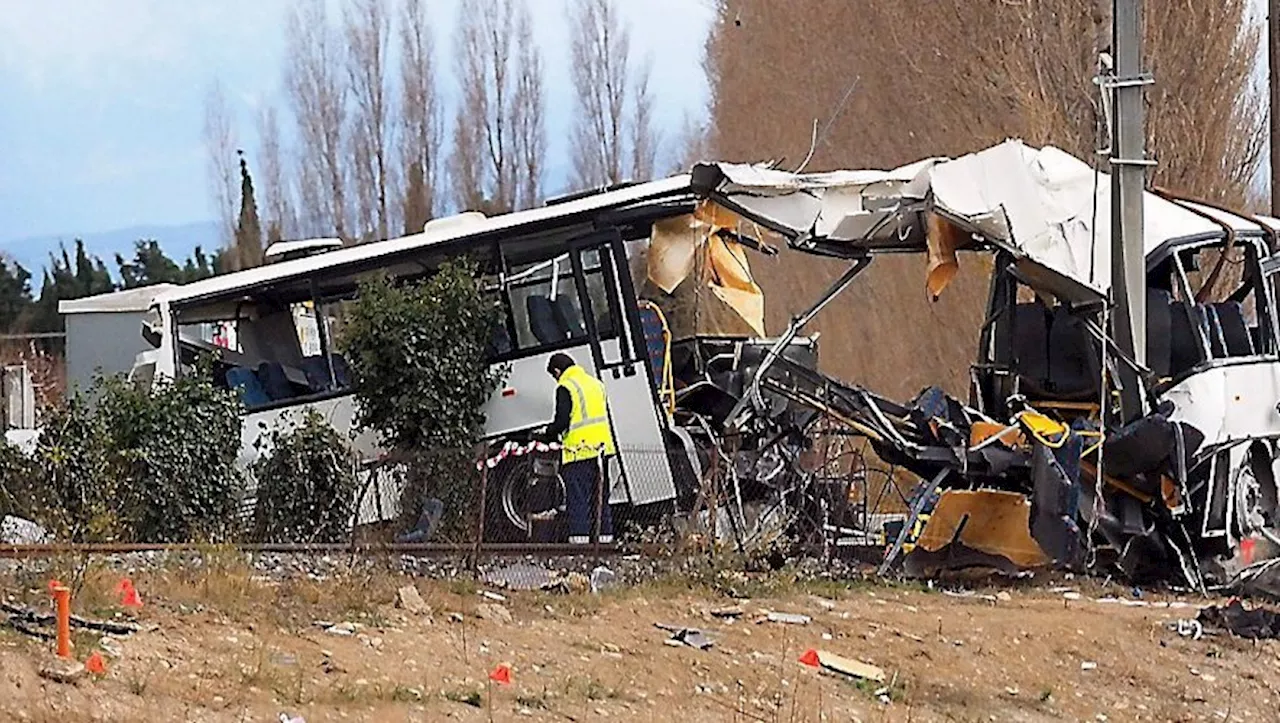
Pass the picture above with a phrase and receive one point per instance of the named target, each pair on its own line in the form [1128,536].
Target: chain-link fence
[830,502]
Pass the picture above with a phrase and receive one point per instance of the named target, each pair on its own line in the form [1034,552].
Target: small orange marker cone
[95,664]
[501,674]
[128,594]
[810,658]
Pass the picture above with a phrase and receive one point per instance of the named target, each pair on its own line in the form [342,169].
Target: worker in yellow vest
[582,416]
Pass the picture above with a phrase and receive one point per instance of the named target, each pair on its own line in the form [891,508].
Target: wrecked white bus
[671,328]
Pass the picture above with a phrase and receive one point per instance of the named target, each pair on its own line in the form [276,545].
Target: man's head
[558,363]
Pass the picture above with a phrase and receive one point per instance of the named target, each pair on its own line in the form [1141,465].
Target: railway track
[369,549]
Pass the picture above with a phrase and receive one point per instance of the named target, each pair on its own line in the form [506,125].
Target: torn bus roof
[1048,208]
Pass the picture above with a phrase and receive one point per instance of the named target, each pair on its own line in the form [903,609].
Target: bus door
[618,355]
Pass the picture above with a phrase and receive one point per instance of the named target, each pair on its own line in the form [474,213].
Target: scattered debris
[341,629]
[788,618]
[823,603]
[1188,628]
[1088,665]
[1256,624]
[493,612]
[1004,596]
[63,671]
[21,531]
[486,594]
[20,617]
[288,718]
[727,612]
[521,576]
[850,667]
[681,635]
[575,582]
[408,599]
[602,578]
[111,647]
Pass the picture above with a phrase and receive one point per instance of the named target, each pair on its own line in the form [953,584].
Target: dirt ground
[223,644]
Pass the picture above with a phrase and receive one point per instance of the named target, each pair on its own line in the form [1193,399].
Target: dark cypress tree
[248,250]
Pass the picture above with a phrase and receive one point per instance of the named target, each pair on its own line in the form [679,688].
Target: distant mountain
[177,241]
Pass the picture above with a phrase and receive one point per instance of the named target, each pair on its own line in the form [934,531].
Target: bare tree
[368,30]
[318,98]
[272,185]
[612,109]
[421,127]
[692,144]
[527,117]
[485,164]
[946,77]
[222,168]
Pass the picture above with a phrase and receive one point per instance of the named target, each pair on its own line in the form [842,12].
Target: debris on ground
[681,635]
[493,612]
[602,578]
[21,531]
[345,630]
[26,620]
[787,618]
[729,613]
[410,600]
[63,671]
[1255,624]
[840,664]
[521,576]
[489,595]
[1188,629]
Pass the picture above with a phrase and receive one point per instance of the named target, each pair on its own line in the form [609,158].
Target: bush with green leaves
[120,462]
[417,353]
[67,487]
[173,450]
[306,483]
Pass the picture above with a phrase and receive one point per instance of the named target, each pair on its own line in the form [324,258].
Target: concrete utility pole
[1128,181]
[1273,80]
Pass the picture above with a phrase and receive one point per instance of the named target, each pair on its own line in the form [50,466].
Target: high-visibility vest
[590,434]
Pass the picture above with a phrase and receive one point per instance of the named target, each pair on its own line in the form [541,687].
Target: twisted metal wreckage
[1067,451]
[1044,464]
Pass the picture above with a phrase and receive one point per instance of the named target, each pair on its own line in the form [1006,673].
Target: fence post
[484,493]
[600,483]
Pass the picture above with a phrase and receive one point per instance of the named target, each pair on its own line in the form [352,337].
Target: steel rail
[429,549]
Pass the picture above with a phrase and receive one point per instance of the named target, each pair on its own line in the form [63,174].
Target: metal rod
[484,493]
[797,323]
[917,507]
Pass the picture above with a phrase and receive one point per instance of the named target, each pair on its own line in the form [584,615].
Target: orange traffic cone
[95,664]
[810,658]
[501,674]
[128,594]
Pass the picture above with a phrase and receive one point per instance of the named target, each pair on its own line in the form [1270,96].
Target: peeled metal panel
[1230,403]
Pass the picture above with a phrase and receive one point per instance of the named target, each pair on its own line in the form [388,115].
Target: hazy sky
[103,100]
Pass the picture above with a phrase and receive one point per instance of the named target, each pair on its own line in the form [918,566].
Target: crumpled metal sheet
[993,522]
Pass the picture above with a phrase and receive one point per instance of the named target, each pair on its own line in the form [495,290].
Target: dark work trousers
[580,480]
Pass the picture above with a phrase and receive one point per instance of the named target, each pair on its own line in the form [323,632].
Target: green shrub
[71,491]
[418,358]
[150,465]
[306,483]
[173,449]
